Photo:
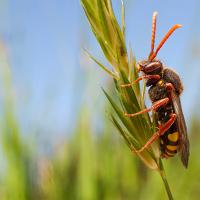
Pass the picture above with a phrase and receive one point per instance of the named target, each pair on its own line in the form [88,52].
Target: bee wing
[184,142]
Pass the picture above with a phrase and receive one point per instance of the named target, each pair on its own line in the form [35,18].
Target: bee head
[150,67]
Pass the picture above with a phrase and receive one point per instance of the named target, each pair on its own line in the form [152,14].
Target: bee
[165,88]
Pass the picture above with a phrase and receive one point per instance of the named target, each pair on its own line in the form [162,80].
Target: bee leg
[155,77]
[162,129]
[170,86]
[154,107]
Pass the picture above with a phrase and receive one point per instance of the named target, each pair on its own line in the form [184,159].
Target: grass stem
[164,178]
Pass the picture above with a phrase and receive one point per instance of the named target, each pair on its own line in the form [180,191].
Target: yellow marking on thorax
[161,82]
[171,148]
[173,137]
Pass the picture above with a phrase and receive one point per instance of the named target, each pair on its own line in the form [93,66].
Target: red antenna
[153,54]
[154,18]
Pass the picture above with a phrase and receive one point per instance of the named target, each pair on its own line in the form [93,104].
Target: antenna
[153,55]
[154,19]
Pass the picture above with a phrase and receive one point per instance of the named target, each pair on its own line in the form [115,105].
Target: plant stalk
[164,178]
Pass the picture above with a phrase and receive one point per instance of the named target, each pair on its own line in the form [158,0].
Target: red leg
[154,107]
[163,128]
[156,77]
[169,86]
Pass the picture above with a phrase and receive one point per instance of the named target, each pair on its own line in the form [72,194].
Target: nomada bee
[164,92]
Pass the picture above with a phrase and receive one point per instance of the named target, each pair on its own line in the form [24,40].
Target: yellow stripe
[161,141]
[173,137]
[171,148]
[165,155]
[170,154]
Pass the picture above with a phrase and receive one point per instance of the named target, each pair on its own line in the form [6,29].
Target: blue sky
[44,41]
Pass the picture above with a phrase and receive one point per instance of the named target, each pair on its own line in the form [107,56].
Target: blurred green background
[56,138]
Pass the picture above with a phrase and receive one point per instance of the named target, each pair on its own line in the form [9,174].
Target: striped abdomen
[169,142]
